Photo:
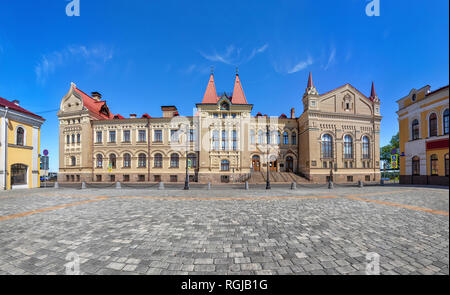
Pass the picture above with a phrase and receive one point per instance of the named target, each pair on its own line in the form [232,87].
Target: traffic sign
[394,158]
[45,152]
[189,164]
[394,165]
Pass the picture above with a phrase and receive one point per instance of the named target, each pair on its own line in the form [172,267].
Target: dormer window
[414,96]
[224,106]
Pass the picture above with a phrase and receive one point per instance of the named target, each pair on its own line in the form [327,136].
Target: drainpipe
[6,149]
[148,148]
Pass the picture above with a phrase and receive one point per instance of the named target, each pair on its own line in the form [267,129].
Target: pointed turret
[373,94]
[210,93]
[310,88]
[238,92]
[310,82]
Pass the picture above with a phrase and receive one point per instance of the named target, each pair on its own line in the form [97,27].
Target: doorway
[256,163]
[289,164]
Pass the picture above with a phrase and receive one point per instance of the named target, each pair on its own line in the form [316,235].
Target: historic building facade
[222,141]
[19,146]
[423,133]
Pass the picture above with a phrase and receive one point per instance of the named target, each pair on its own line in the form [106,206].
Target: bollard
[360,183]
[209,185]
[83,185]
[118,186]
[56,185]
[293,185]
[161,185]
[246,185]
[382,181]
[330,185]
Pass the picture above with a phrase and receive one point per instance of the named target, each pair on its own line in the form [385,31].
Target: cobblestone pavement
[303,231]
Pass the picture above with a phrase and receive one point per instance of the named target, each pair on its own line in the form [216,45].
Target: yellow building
[19,146]
[424,127]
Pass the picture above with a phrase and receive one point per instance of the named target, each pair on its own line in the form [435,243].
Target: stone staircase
[276,177]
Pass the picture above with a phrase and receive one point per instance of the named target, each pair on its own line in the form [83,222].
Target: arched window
[285,137]
[73,161]
[365,147]
[434,164]
[446,164]
[260,137]
[348,147]
[99,161]
[20,136]
[126,161]
[416,165]
[294,138]
[215,140]
[415,129]
[225,165]
[277,138]
[158,160]
[252,136]
[68,139]
[446,122]
[78,138]
[142,160]
[112,161]
[433,125]
[327,146]
[73,138]
[225,106]
[174,161]
[192,160]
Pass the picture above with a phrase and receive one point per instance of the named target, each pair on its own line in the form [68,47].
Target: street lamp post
[186,181]
[268,159]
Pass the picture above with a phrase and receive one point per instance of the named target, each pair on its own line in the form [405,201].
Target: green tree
[385,151]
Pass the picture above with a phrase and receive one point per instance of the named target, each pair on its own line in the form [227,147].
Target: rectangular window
[141,178]
[98,178]
[112,178]
[234,134]
[157,178]
[126,136]
[78,138]
[215,115]
[142,136]
[367,178]
[191,135]
[434,165]
[324,164]
[126,178]
[158,136]
[173,135]
[349,178]
[68,139]
[173,178]
[224,140]
[99,137]
[112,136]
[224,178]
[215,140]
[78,178]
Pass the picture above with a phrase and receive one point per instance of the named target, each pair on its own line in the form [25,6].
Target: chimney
[293,113]
[169,111]
[16,102]
[132,116]
[96,95]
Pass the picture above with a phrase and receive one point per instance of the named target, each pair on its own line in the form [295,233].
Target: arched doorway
[273,164]
[289,164]
[256,163]
[19,176]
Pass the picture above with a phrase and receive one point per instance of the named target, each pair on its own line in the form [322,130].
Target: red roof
[146,116]
[93,105]
[118,116]
[238,93]
[13,106]
[210,93]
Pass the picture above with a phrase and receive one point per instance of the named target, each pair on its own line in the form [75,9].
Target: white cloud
[301,65]
[94,56]
[331,59]
[233,56]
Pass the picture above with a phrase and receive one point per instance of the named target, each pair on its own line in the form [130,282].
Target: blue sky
[144,54]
